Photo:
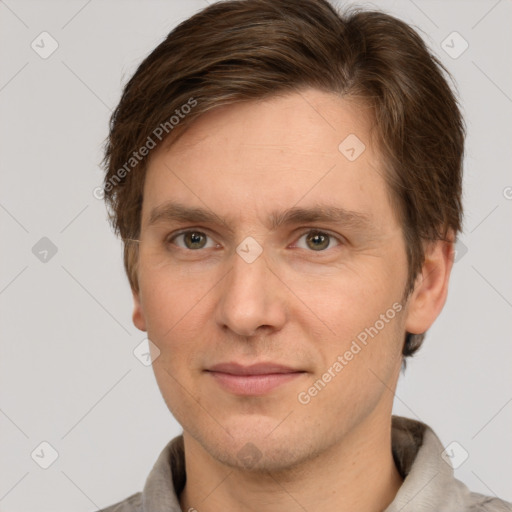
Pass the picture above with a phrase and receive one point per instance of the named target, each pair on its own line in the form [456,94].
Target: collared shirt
[429,484]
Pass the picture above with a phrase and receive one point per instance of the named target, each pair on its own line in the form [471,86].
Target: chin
[263,457]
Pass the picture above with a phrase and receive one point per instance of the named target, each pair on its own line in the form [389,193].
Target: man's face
[321,287]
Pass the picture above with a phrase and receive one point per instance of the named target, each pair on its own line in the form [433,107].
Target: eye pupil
[194,240]
[318,241]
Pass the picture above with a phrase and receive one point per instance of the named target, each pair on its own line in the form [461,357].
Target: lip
[253,380]
[253,369]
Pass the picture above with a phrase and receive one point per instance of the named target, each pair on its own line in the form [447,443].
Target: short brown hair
[241,50]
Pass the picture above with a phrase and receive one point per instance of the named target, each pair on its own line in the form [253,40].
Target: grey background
[67,369]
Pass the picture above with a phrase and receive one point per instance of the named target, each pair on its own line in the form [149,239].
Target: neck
[357,473]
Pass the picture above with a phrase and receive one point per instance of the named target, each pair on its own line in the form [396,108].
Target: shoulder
[429,480]
[480,503]
[131,504]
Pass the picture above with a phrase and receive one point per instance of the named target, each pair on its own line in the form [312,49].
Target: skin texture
[293,305]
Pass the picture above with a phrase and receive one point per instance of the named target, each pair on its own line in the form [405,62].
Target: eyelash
[169,239]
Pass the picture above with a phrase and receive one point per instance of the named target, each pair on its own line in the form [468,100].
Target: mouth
[253,380]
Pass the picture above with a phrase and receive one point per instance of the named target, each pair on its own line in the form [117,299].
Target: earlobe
[138,314]
[431,287]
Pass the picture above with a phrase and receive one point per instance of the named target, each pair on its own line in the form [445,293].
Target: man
[287,182]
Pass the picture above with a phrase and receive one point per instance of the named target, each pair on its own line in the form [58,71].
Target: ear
[138,313]
[431,286]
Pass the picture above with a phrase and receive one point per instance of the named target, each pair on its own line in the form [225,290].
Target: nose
[252,299]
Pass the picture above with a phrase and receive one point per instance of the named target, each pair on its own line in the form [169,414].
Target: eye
[317,241]
[192,240]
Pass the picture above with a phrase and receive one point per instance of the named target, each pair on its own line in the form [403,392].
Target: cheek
[348,299]
[170,297]
[175,320]
[359,364]
[356,329]
[171,314]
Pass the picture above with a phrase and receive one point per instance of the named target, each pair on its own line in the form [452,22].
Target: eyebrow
[172,211]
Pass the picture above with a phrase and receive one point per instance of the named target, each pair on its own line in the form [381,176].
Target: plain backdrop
[68,373]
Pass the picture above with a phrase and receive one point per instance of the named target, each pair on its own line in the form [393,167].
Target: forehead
[302,148]
[308,122]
